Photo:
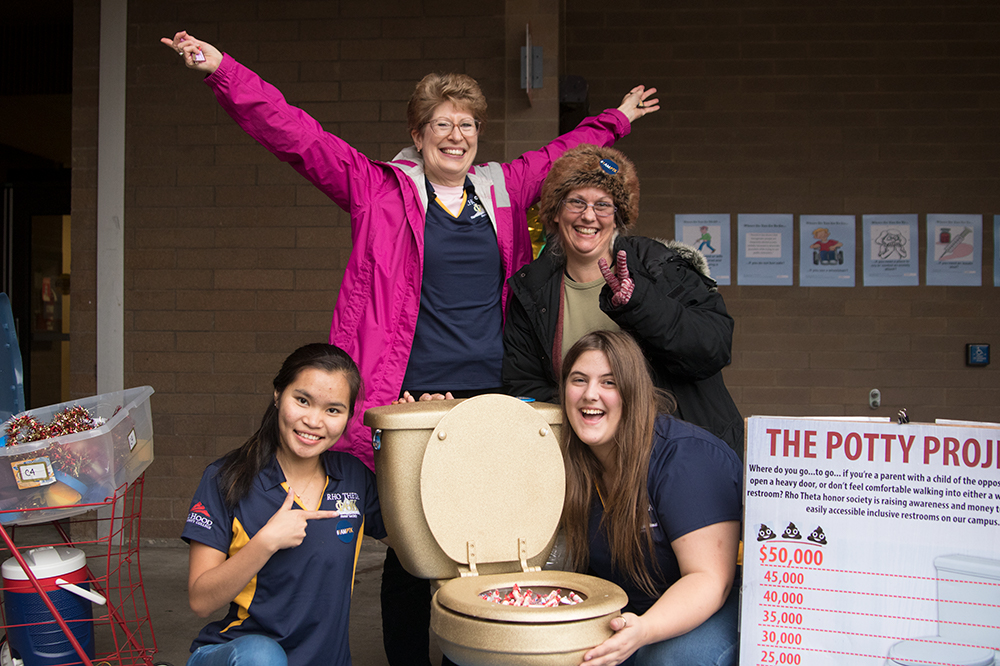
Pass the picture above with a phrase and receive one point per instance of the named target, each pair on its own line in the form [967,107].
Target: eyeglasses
[443,126]
[602,209]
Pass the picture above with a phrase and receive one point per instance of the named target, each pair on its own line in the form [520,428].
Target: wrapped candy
[531,599]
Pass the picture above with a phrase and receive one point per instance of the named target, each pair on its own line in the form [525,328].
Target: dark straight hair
[241,466]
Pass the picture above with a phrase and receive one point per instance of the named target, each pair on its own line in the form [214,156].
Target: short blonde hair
[435,89]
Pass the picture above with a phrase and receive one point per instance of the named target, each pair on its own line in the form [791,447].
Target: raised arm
[525,174]
[289,133]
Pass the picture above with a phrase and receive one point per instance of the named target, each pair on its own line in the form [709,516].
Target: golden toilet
[471,494]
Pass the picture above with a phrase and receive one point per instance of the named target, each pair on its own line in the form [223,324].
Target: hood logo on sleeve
[199,516]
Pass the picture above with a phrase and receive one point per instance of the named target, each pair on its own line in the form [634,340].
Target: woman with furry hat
[593,276]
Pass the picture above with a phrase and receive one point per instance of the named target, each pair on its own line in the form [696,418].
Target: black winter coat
[675,314]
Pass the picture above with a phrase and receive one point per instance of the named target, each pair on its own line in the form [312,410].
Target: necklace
[305,496]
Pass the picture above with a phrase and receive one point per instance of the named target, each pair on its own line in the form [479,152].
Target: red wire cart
[77,496]
[110,539]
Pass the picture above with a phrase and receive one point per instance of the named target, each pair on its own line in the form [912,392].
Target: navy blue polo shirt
[302,596]
[695,480]
[458,342]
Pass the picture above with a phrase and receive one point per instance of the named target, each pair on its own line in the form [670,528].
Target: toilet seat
[600,597]
[930,649]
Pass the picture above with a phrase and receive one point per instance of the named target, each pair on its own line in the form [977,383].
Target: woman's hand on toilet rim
[707,561]
[408,397]
[629,636]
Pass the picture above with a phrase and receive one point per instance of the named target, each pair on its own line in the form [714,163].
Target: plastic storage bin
[59,476]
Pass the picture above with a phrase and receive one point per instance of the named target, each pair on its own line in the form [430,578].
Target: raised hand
[197,54]
[621,284]
[636,103]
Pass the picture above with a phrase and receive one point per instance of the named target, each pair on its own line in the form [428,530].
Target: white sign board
[867,542]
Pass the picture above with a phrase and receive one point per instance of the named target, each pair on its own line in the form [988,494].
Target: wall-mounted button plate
[977,354]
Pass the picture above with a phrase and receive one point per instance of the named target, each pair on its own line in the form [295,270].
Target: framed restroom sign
[870,543]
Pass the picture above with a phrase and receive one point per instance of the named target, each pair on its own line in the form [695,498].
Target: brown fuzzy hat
[591,166]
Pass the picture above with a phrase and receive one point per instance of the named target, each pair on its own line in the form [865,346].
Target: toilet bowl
[968,616]
[471,494]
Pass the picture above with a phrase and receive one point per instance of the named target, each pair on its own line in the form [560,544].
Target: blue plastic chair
[11,370]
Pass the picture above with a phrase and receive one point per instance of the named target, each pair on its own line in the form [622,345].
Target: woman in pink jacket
[435,237]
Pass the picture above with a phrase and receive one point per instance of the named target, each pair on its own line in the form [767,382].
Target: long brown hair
[625,497]
[241,466]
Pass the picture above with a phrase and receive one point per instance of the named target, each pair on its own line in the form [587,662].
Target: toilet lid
[930,650]
[492,474]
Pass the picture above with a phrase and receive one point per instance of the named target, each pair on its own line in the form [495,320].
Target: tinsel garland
[25,428]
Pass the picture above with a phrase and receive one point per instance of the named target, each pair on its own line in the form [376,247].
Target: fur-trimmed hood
[691,254]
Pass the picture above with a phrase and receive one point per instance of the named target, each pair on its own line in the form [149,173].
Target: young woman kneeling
[652,504]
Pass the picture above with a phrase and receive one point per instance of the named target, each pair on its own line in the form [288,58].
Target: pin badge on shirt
[345,531]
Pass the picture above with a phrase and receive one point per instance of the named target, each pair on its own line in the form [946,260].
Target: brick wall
[232,259]
[849,108]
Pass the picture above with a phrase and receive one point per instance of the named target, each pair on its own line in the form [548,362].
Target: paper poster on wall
[870,543]
[710,235]
[889,249]
[826,250]
[765,249]
[955,250]
[996,250]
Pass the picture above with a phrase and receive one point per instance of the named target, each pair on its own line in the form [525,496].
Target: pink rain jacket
[379,299]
